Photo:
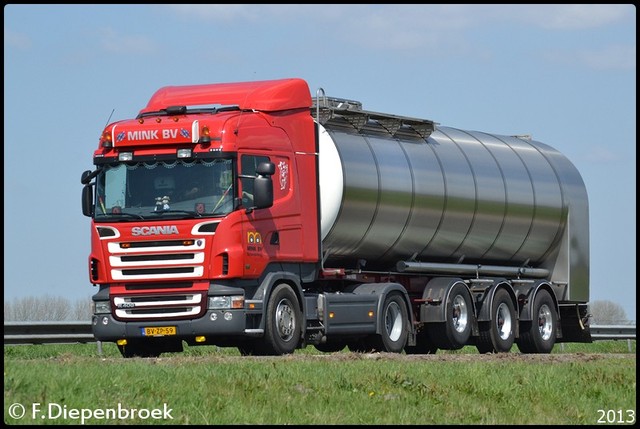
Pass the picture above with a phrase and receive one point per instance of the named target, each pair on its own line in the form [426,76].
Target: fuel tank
[389,193]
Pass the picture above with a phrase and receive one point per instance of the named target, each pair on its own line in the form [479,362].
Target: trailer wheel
[539,335]
[394,325]
[498,335]
[455,331]
[282,323]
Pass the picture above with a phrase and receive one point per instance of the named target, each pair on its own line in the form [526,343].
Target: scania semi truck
[258,216]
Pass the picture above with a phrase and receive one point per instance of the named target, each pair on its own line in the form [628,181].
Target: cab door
[275,233]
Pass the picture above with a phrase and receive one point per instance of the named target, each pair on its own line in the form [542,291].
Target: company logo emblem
[126,305]
[254,242]
[154,230]
[254,237]
[284,174]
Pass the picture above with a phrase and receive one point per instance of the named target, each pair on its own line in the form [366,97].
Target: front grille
[162,257]
[187,305]
[163,285]
[157,260]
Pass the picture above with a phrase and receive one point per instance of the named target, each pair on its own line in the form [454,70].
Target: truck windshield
[134,191]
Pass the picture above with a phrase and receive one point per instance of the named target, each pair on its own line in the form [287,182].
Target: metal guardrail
[613,332]
[48,332]
[80,332]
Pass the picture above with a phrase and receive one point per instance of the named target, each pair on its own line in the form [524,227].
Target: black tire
[424,345]
[283,323]
[394,324]
[539,335]
[455,331]
[498,335]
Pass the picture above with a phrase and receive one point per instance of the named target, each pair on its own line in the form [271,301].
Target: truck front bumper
[212,324]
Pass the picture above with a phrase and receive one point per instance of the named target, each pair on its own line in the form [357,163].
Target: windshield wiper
[189,212]
[123,214]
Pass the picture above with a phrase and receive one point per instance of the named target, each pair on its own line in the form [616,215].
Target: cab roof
[266,95]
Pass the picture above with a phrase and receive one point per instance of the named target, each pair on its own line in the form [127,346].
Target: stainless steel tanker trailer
[311,221]
[489,234]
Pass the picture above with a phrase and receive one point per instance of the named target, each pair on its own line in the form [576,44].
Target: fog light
[228,315]
[105,320]
[213,317]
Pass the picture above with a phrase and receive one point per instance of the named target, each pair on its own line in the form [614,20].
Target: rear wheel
[539,335]
[394,325]
[455,331]
[498,335]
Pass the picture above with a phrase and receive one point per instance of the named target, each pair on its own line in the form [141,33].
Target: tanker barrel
[395,188]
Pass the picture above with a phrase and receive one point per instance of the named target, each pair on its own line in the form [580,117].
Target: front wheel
[283,323]
[539,335]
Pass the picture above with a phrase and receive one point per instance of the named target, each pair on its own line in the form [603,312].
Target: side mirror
[87,176]
[87,201]
[263,185]
[266,169]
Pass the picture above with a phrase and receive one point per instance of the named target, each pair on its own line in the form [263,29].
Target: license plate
[159,331]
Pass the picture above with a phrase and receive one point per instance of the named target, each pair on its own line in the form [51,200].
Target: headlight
[100,307]
[226,302]
[219,302]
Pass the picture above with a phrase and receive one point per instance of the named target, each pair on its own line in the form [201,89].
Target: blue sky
[566,74]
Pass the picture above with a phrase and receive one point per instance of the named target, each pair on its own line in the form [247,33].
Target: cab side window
[248,165]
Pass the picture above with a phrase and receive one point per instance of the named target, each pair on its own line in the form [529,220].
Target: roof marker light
[106,140]
[184,153]
[205,138]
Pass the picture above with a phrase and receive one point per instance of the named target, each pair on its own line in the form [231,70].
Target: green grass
[210,385]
